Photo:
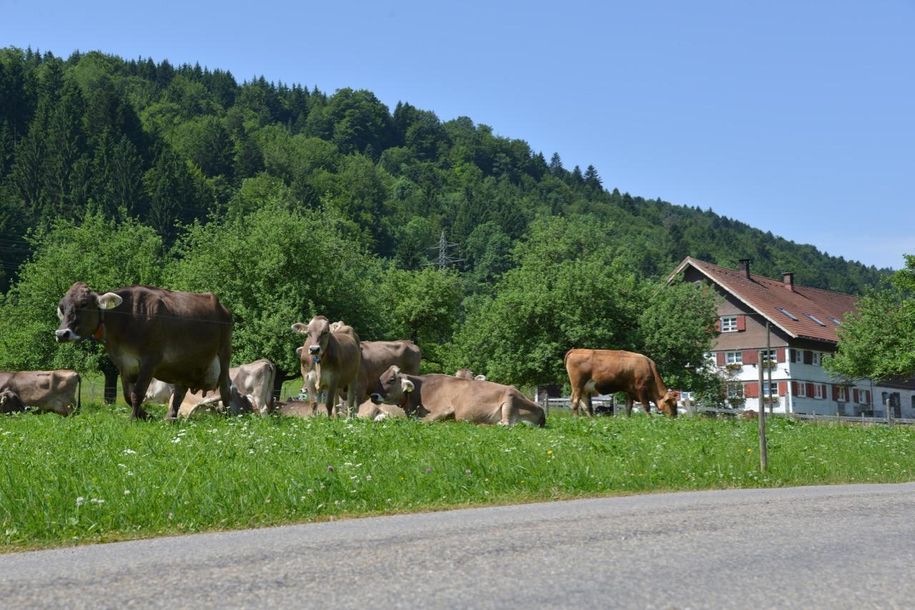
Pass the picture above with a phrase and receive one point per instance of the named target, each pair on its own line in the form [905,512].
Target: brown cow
[182,338]
[440,397]
[606,371]
[377,357]
[329,361]
[56,391]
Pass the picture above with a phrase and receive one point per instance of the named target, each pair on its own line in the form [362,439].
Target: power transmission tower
[445,258]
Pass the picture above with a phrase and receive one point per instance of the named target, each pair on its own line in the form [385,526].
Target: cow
[379,412]
[159,392]
[468,374]
[10,402]
[329,362]
[182,338]
[377,356]
[56,391]
[606,371]
[254,380]
[441,397]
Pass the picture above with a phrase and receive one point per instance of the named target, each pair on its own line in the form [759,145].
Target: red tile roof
[774,301]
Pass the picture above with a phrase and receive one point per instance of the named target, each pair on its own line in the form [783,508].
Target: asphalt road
[815,547]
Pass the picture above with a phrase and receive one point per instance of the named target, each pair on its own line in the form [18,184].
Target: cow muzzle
[375,398]
[65,334]
[314,349]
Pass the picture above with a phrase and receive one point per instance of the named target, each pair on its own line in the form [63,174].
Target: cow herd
[176,347]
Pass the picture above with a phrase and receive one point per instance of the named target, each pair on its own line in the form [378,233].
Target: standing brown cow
[182,338]
[606,371]
[329,359]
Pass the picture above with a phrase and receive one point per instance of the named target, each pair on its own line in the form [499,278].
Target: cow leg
[573,400]
[177,398]
[589,405]
[350,402]
[330,399]
[628,405]
[138,392]
[506,412]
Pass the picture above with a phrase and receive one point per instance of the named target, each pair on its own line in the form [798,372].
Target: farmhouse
[802,332]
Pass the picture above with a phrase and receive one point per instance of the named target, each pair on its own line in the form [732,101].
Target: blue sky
[794,117]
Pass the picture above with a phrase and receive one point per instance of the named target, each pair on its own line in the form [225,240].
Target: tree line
[287,201]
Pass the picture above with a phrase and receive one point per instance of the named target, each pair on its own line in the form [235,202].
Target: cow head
[10,402]
[80,310]
[668,403]
[317,334]
[394,388]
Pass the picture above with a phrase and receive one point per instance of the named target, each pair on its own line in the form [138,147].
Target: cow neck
[99,334]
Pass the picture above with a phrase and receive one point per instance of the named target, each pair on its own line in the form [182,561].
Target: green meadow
[97,476]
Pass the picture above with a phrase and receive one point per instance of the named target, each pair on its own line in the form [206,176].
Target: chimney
[745,267]
[788,280]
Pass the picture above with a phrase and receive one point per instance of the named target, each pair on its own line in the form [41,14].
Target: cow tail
[79,392]
[566,357]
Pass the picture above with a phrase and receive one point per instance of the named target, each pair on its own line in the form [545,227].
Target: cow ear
[300,328]
[407,385]
[60,314]
[109,300]
[395,369]
[298,351]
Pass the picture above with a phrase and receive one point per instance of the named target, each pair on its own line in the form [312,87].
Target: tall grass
[99,476]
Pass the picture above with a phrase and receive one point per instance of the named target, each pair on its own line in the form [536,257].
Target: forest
[288,201]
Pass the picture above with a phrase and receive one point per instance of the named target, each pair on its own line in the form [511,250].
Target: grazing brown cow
[182,338]
[56,391]
[10,402]
[253,380]
[606,371]
[440,397]
[329,361]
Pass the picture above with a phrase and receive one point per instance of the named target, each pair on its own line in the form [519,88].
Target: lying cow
[603,371]
[253,380]
[10,402]
[56,391]
[468,374]
[182,338]
[440,397]
[329,360]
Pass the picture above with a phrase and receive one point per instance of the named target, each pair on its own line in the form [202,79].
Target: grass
[98,476]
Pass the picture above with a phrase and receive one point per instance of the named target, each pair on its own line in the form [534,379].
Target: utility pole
[761,418]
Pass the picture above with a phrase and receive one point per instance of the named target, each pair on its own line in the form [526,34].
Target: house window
[835,320]
[816,359]
[733,357]
[787,313]
[735,391]
[864,397]
[769,355]
[819,391]
[801,390]
[770,389]
[729,324]
[842,393]
[815,319]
